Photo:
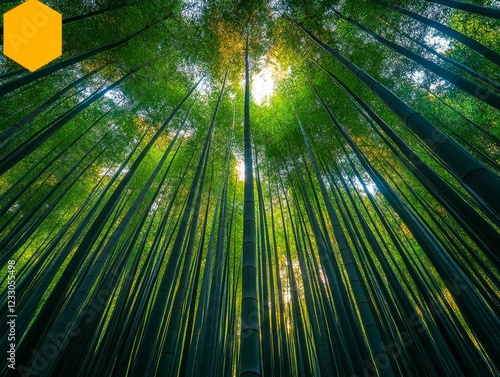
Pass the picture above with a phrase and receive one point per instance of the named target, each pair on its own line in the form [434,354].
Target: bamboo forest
[254,188]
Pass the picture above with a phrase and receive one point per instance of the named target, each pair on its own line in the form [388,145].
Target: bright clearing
[262,85]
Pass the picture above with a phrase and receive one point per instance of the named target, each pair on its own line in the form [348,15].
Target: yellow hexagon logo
[32,34]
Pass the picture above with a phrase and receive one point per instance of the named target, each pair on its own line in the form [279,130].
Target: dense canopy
[254,188]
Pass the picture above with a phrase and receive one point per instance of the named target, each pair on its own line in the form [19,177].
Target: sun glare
[240,169]
[262,85]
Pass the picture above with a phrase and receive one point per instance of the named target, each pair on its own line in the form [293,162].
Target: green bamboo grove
[254,188]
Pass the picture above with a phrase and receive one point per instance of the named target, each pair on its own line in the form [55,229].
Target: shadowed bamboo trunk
[85,246]
[469,42]
[24,150]
[481,318]
[69,20]
[469,7]
[457,64]
[28,118]
[147,360]
[283,344]
[168,362]
[250,363]
[472,221]
[460,82]
[472,173]
[43,72]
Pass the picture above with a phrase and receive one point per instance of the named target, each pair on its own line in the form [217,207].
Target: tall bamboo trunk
[469,7]
[482,181]
[250,363]
[457,80]
[469,42]
[43,72]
